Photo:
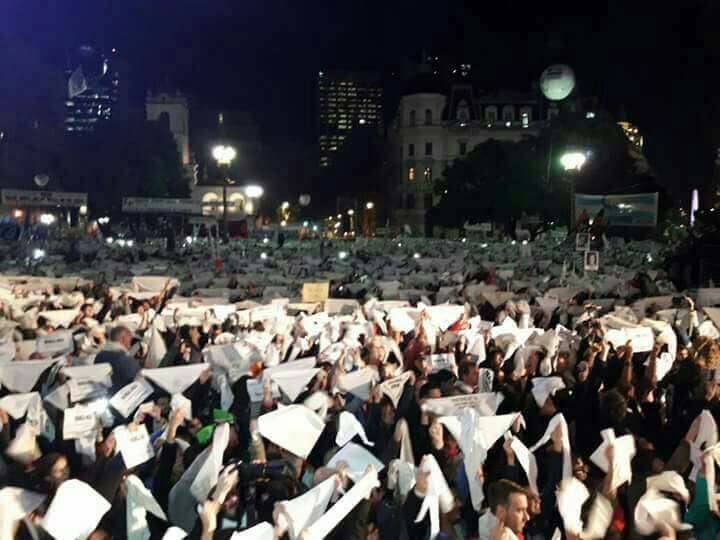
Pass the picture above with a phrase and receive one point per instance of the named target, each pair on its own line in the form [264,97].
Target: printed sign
[146,205]
[636,210]
[315,292]
[24,197]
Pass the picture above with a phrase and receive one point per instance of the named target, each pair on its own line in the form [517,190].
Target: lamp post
[573,162]
[224,156]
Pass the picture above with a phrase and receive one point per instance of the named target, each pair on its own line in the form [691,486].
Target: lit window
[411,150]
[428,149]
[590,115]
[525,120]
[221,119]
[411,174]
[428,174]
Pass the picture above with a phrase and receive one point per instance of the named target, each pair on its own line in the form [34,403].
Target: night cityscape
[409,270]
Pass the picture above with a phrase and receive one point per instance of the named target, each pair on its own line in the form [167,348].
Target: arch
[164,119]
[428,117]
[412,117]
[208,199]
[508,113]
[236,202]
[491,114]
[463,111]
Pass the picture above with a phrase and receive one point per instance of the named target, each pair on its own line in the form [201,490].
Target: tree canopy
[499,180]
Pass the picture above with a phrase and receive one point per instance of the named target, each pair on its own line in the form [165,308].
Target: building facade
[434,126]
[347,101]
[93,90]
[175,111]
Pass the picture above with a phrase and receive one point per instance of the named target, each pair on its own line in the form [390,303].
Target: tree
[116,161]
[497,181]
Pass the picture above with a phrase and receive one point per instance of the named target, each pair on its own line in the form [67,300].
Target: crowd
[445,390]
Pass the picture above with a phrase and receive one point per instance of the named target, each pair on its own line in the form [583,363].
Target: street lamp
[254,192]
[370,205]
[573,161]
[224,155]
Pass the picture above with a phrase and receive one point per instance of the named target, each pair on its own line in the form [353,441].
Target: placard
[135,446]
[315,292]
[78,422]
[592,261]
[582,242]
[56,343]
[130,397]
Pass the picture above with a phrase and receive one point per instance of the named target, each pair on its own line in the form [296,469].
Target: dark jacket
[124,367]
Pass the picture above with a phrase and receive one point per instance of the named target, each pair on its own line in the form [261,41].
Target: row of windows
[491,115]
[428,149]
[462,149]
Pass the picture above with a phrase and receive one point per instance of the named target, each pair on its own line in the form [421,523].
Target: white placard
[56,343]
[78,422]
[130,397]
[134,446]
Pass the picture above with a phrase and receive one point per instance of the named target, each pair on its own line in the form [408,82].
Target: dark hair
[465,368]
[118,332]
[425,389]
[500,492]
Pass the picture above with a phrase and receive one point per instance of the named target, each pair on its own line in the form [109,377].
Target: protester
[424,403]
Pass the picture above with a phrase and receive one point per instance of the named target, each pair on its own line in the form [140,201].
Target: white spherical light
[304,199]
[557,82]
[41,180]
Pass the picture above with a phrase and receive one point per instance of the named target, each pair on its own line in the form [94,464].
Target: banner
[143,205]
[636,210]
[24,197]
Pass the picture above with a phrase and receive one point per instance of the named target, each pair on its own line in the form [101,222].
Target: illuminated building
[442,117]
[93,84]
[347,101]
[633,134]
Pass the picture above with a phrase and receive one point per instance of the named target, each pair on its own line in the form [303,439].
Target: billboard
[26,197]
[636,210]
[157,205]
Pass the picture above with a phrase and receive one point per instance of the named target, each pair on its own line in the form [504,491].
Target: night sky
[660,63]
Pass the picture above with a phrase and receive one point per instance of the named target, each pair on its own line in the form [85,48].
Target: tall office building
[347,101]
[93,89]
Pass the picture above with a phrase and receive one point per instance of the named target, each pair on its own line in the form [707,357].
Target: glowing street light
[573,161]
[370,205]
[254,192]
[224,155]
[351,212]
[47,219]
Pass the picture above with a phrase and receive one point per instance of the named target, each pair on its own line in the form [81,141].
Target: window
[411,174]
[411,150]
[463,112]
[410,201]
[428,201]
[491,114]
[428,117]
[428,174]
[428,149]
[462,148]
[412,118]
[508,113]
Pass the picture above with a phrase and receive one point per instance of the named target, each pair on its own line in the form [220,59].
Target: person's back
[124,367]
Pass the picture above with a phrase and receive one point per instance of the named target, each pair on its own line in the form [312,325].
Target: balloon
[41,180]
[557,82]
[304,199]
